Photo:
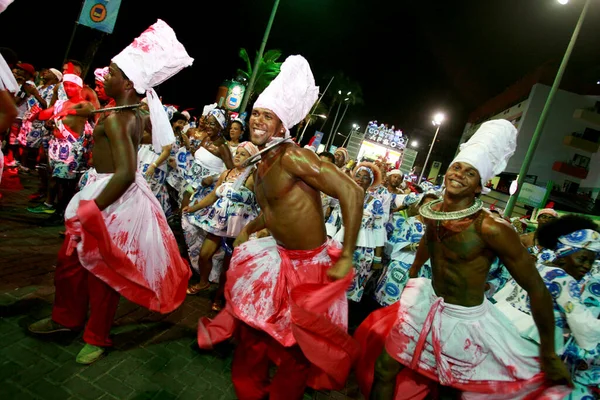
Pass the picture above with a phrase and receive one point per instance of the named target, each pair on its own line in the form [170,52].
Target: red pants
[76,289]
[250,367]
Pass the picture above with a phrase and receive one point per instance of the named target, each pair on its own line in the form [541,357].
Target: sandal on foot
[217,306]
[47,326]
[90,354]
[195,289]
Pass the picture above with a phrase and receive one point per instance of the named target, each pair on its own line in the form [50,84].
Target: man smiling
[444,329]
[280,302]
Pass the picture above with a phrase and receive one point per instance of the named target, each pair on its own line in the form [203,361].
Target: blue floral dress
[395,275]
[370,236]
[146,156]
[35,131]
[233,210]
[576,311]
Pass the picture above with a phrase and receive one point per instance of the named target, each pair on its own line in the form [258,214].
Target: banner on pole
[315,141]
[100,14]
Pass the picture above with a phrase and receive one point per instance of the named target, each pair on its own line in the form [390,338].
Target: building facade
[567,153]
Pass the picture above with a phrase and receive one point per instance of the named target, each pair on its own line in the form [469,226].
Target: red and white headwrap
[152,58]
[73,79]
[100,74]
[344,153]
[249,147]
[548,211]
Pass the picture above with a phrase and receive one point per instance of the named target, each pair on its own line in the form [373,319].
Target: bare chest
[462,246]
[272,184]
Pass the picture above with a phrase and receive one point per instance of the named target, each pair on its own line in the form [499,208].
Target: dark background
[412,58]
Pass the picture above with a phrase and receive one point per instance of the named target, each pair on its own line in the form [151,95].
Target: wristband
[155,166]
[376,260]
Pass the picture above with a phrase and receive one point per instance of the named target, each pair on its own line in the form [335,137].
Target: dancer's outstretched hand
[340,269]
[242,238]
[556,371]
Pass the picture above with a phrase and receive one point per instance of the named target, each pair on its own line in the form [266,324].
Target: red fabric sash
[117,270]
[328,347]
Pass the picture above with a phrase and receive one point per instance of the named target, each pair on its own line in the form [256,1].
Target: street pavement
[154,356]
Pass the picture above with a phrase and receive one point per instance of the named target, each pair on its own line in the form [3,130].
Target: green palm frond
[268,69]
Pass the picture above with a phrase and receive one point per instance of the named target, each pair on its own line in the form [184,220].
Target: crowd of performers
[298,242]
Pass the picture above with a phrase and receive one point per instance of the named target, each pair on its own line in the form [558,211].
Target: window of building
[581,161]
[591,134]
[570,187]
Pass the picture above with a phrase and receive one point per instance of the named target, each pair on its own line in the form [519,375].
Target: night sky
[412,58]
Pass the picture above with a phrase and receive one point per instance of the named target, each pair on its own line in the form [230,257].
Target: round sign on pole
[513,187]
[98,12]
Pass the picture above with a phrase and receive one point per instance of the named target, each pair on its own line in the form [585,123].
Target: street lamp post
[354,128]
[315,108]
[544,116]
[261,50]
[437,121]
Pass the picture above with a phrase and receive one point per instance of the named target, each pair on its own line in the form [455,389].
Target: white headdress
[4,4]
[208,108]
[489,149]
[150,60]
[291,94]
[73,79]
[56,73]
[7,79]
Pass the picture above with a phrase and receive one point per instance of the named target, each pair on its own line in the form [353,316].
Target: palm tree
[268,69]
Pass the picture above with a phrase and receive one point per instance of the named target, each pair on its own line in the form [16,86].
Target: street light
[414,143]
[437,121]
[544,116]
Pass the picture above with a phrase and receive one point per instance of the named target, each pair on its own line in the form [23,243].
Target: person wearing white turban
[118,241]
[440,327]
[568,265]
[280,296]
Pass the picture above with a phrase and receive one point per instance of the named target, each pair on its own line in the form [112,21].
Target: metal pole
[544,116]
[314,109]
[428,154]
[258,58]
[331,133]
[348,137]
[70,43]
[90,59]
[73,33]
[342,118]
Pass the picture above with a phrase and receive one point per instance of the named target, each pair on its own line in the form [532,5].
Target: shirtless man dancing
[118,241]
[444,329]
[281,303]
